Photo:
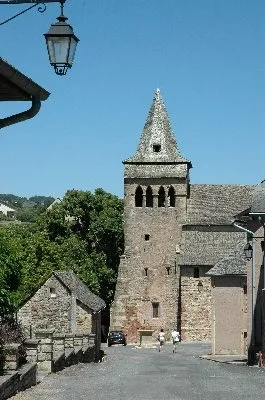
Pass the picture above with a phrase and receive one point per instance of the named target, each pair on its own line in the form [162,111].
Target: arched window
[149,197]
[171,197]
[161,197]
[139,197]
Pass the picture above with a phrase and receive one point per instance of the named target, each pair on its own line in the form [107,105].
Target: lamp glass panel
[248,250]
[58,48]
[72,50]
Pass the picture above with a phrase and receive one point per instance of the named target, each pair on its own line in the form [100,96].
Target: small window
[147,237]
[156,148]
[146,272]
[168,270]
[52,292]
[155,310]
[196,273]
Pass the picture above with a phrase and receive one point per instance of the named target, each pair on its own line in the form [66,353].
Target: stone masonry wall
[83,319]
[195,305]
[49,307]
[148,272]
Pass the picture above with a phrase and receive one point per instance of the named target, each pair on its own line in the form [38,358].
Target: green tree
[83,233]
[30,214]
[10,270]
[88,231]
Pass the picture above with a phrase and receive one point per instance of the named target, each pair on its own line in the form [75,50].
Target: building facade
[175,232]
[63,303]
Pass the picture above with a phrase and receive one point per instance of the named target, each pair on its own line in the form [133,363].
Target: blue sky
[206,56]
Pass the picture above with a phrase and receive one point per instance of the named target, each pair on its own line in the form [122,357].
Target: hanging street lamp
[248,251]
[60,39]
[61,44]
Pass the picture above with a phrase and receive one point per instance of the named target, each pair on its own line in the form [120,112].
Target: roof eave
[22,82]
[131,162]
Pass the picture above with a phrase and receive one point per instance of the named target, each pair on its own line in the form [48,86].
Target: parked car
[117,337]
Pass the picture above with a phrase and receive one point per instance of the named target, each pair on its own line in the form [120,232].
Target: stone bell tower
[156,184]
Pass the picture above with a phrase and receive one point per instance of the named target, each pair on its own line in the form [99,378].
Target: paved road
[143,374]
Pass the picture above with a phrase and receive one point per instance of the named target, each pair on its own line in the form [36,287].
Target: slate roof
[83,294]
[217,204]
[258,201]
[157,131]
[233,264]
[208,247]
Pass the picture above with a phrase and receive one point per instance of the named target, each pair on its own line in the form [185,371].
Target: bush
[10,332]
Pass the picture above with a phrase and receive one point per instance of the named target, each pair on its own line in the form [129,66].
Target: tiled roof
[207,247]
[258,201]
[157,131]
[83,294]
[233,264]
[217,204]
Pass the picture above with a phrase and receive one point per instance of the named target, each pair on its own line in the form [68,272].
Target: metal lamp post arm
[41,8]
[30,1]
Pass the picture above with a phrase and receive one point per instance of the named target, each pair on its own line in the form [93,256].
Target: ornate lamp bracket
[42,7]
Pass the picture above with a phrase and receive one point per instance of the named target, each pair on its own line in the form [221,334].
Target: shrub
[10,332]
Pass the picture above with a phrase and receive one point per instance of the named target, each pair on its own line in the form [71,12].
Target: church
[175,232]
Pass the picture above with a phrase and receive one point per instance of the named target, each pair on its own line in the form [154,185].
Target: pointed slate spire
[157,142]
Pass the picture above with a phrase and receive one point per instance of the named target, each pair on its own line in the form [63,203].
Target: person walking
[175,338]
[161,339]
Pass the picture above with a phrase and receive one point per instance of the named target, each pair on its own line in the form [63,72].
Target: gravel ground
[129,373]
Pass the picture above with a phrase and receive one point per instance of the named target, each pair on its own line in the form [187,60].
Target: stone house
[252,220]
[238,323]
[63,303]
[175,232]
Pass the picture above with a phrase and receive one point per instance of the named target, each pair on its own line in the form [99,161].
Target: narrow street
[129,373]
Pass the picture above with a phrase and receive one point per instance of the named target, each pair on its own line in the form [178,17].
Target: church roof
[217,204]
[157,143]
[233,264]
[207,245]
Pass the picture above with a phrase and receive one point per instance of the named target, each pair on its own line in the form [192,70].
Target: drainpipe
[261,220]
[23,116]
[253,281]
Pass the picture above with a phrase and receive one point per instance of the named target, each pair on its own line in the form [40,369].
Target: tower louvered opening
[139,197]
[171,197]
[161,197]
[149,197]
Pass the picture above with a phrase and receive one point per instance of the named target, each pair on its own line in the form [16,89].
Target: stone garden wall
[48,352]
